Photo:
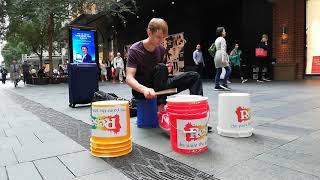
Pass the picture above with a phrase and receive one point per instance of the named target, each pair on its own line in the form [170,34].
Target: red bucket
[188,123]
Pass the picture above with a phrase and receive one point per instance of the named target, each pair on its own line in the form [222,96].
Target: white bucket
[234,115]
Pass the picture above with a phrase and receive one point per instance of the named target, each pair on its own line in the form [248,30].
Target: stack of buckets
[188,115]
[110,130]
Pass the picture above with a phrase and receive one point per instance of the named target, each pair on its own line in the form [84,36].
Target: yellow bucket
[111,154]
[110,130]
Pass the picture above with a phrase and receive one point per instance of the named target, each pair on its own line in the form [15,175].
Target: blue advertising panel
[83,46]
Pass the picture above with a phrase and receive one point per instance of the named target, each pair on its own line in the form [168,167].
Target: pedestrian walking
[4,73]
[236,62]
[221,59]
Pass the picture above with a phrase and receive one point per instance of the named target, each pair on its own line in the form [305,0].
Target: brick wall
[290,13]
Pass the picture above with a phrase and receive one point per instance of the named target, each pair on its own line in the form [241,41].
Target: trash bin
[234,115]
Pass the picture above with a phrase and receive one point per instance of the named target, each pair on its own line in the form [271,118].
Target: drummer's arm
[134,84]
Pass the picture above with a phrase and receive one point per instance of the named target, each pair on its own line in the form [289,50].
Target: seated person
[146,69]
[41,73]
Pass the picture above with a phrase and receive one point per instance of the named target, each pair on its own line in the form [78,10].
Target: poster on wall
[83,44]
[316,65]
[174,45]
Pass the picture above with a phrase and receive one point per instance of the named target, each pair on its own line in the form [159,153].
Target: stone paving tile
[109,174]
[52,136]
[2,134]
[255,169]
[83,163]
[53,169]
[300,162]
[139,133]
[283,129]
[45,150]
[261,120]
[21,130]
[9,143]
[308,120]
[275,134]
[4,125]
[23,171]
[3,173]
[306,145]
[159,143]
[7,157]
[28,139]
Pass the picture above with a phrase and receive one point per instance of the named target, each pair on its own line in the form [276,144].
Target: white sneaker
[259,81]
[225,87]
[229,82]
[268,80]
[244,80]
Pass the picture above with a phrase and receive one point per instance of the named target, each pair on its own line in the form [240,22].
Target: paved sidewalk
[284,145]
[31,149]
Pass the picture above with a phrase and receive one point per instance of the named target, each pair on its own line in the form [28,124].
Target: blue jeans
[226,77]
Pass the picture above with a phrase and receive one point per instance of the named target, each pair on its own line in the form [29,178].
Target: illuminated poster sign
[83,46]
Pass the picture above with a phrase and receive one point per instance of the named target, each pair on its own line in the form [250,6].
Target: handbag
[212,50]
[260,52]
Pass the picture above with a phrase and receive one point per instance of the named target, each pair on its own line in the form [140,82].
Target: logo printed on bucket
[195,133]
[243,114]
[107,123]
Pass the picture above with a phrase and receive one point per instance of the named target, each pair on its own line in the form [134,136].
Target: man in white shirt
[198,59]
[119,67]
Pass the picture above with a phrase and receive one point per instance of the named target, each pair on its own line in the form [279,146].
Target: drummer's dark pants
[187,80]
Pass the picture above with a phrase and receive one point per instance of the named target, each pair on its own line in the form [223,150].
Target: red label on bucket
[243,114]
[194,134]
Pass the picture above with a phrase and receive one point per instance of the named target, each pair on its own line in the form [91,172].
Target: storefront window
[313,37]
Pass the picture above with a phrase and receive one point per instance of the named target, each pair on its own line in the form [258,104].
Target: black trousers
[4,78]
[187,80]
[25,77]
[263,63]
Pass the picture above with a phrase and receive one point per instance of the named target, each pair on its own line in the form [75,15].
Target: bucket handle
[194,131]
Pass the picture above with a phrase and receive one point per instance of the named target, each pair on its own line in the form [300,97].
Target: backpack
[212,50]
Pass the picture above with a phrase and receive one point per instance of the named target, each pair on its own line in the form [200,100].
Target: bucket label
[243,116]
[109,122]
[192,134]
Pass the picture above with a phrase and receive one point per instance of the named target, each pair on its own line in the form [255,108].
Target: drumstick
[167,91]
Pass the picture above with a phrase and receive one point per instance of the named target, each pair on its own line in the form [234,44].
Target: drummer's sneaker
[225,87]
[218,88]
[260,81]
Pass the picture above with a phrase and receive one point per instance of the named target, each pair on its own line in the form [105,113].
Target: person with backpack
[221,59]
[235,61]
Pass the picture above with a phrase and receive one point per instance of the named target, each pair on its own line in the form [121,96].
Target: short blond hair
[156,24]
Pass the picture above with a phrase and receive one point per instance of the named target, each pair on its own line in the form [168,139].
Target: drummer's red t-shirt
[145,62]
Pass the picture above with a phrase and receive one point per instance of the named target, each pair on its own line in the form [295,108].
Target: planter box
[285,72]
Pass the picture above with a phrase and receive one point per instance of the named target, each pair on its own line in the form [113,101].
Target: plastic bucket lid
[187,99]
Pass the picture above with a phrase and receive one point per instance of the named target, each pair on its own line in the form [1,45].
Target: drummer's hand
[149,93]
